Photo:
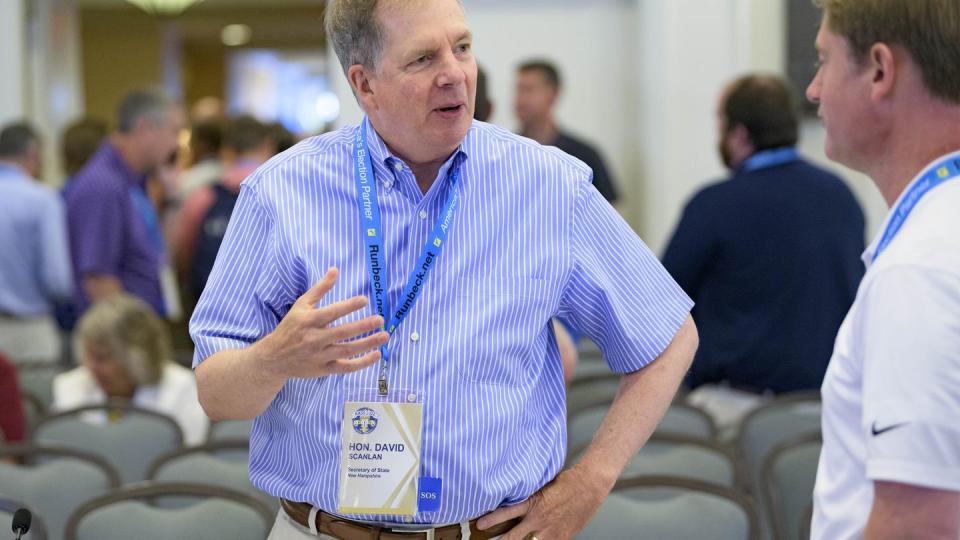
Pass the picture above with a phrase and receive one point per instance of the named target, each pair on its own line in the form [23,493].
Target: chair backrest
[131,443]
[806,520]
[206,464]
[126,513]
[36,378]
[230,430]
[681,457]
[769,425]
[40,528]
[33,408]
[675,508]
[789,473]
[592,390]
[764,428]
[680,419]
[590,367]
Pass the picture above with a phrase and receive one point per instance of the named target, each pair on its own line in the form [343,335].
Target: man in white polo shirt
[888,89]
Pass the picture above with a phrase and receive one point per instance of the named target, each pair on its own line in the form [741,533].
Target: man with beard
[771,256]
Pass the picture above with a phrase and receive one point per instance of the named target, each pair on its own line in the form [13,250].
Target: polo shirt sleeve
[245,297]
[618,294]
[911,376]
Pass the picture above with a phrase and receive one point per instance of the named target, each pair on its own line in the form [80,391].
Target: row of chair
[154,511]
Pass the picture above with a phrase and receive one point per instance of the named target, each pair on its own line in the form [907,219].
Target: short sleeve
[618,294]
[246,296]
[911,342]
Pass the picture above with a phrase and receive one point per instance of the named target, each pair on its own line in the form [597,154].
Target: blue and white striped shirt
[35,266]
[532,240]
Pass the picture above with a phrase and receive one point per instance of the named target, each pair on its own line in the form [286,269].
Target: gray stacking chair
[8,506]
[805,522]
[681,419]
[127,514]
[789,474]
[130,444]
[230,430]
[590,391]
[681,457]
[54,481]
[36,378]
[213,464]
[663,507]
[764,428]
[33,408]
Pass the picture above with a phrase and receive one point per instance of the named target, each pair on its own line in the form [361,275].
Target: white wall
[11,60]
[54,87]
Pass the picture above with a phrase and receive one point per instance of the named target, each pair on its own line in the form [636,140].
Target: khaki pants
[29,341]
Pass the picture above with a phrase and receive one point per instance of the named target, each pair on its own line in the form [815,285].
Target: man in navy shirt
[771,256]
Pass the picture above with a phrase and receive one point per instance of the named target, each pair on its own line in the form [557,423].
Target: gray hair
[355,33]
[152,104]
[17,139]
[128,331]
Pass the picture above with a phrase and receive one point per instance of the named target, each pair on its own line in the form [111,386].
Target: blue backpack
[212,230]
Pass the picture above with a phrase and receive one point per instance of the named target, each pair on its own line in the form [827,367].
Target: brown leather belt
[346,529]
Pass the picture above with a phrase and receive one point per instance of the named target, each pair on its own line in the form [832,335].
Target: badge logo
[365,421]
[436,242]
[371,232]
[943,172]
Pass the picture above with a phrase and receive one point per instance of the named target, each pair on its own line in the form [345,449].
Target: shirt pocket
[505,327]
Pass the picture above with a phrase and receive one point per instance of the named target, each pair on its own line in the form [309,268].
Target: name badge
[380,457]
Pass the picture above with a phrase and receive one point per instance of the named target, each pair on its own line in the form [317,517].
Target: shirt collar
[771,157]
[385,163]
[867,256]
[9,170]
[113,157]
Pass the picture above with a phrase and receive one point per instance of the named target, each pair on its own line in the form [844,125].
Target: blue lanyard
[765,159]
[148,214]
[371,225]
[940,172]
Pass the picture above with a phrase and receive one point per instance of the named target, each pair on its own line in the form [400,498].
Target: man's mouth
[450,108]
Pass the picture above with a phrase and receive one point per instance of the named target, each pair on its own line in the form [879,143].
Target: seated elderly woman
[124,353]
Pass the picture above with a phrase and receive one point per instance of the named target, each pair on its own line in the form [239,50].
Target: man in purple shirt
[115,238]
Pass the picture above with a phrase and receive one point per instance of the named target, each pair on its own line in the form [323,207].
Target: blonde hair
[129,331]
[928,29]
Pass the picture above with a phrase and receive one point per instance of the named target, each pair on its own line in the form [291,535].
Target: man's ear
[741,136]
[359,79]
[882,66]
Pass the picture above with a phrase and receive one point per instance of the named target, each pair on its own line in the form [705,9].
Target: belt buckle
[430,531]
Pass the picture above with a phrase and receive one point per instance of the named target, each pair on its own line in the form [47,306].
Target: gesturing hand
[308,344]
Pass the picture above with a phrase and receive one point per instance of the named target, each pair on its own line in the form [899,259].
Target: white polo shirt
[891,396]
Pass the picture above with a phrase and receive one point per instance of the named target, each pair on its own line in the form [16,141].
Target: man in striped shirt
[489,236]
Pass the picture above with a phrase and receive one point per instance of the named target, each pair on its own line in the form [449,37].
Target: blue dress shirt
[532,239]
[35,266]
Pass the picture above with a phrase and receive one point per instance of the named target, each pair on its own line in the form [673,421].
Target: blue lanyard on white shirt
[940,172]
[765,159]
[371,225]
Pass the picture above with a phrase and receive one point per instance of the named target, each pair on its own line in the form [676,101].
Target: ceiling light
[235,35]
[164,7]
